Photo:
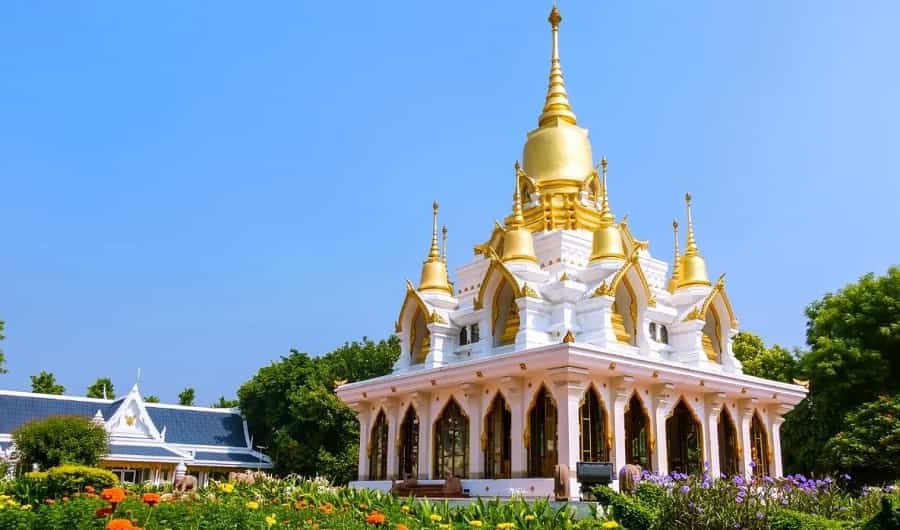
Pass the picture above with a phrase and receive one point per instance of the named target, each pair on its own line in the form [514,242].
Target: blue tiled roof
[198,426]
[141,450]
[17,410]
[227,457]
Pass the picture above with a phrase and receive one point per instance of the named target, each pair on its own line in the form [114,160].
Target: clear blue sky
[193,188]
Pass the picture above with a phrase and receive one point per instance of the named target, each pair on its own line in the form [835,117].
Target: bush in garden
[68,479]
[57,440]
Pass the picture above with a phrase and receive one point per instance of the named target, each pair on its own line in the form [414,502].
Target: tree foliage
[152,398]
[102,388]
[57,440]
[854,357]
[291,407]
[868,446]
[774,363]
[223,403]
[186,397]
[45,383]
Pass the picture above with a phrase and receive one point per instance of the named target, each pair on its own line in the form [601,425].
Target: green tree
[225,403]
[2,355]
[102,388]
[186,397]
[774,363]
[45,383]
[291,408]
[59,440]
[854,357]
[151,399]
[868,447]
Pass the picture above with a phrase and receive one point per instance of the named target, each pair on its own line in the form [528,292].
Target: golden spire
[676,262]
[556,105]
[434,269]
[693,266]
[607,238]
[518,244]
[444,244]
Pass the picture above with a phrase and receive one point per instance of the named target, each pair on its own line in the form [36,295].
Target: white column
[512,389]
[390,413]
[662,402]
[471,400]
[745,411]
[569,384]
[362,415]
[622,393]
[422,402]
[777,420]
[714,404]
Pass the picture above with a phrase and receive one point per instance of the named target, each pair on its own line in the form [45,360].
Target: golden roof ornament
[569,338]
[607,238]
[434,268]
[518,244]
[676,261]
[693,266]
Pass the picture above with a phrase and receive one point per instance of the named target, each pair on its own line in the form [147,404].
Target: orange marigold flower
[375,518]
[89,488]
[50,501]
[150,499]
[327,508]
[113,495]
[401,526]
[119,524]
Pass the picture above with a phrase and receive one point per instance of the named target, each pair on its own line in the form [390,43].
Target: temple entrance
[451,442]
[378,452]
[728,444]
[684,441]
[593,429]
[408,464]
[542,451]
[759,446]
[497,441]
[637,434]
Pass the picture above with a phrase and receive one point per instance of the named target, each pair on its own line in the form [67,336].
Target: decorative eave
[141,418]
[699,312]
[497,266]
[609,289]
[412,294]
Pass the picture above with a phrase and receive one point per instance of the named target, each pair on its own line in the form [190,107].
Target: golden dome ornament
[693,266]
[607,238]
[434,268]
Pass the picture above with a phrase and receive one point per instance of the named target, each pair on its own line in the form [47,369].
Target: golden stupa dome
[434,269]
[607,238]
[518,243]
[693,265]
[558,148]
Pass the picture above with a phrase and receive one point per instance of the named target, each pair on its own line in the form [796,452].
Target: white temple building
[564,340]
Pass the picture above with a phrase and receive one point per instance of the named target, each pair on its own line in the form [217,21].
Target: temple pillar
[390,413]
[746,407]
[363,413]
[569,384]
[512,389]
[621,394]
[472,402]
[714,403]
[422,402]
[778,419]
[662,402]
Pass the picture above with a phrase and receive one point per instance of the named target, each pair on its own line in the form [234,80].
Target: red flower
[113,495]
[150,499]
[104,512]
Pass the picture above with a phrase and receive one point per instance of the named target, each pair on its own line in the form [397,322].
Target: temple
[564,340]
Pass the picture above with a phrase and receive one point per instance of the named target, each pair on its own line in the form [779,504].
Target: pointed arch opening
[684,440]
[378,448]
[624,313]
[419,337]
[504,314]
[594,433]
[496,439]
[712,335]
[408,452]
[728,444]
[637,433]
[759,446]
[451,442]
[542,435]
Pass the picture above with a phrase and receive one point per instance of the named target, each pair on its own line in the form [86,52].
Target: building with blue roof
[147,440]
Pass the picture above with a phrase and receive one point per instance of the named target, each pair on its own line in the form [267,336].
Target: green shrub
[67,479]
[631,513]
[887,519]
[791,520]
[57,440]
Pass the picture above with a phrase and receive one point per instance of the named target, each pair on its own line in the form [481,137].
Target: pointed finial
[435,252]
[444,244]
[676,261]
[691,245]
[605,213]
[517,219]
[556,104]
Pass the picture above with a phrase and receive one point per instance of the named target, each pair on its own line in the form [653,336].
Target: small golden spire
[693,266]
[676,262]
[444,244]
[556,105]
[606,214]
[518,244]
[434,270]
[607,238]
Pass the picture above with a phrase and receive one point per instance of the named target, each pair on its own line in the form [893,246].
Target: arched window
[504,315]
[663,334]
[728,444]
[378,452]
[684,441]
[712,335]
[408,464]
[759,446]
[451,442]
[463,336]
[419,338]
[593,428]
[542,439]
[624,313]
[497,439]
[637,434]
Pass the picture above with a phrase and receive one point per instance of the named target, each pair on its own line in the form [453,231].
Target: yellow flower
[610,524]
[529,517]
[253,505]
[435,517]
[226,487]
[271,520]
[26,507]
[475,524]
[404,508]
[506,526]
[444,527]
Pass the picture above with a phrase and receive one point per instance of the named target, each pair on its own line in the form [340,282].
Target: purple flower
[759,515]
[739,499]
[685,489]
[752,464]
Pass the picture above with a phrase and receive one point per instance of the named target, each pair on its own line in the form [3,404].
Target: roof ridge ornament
[556,104]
